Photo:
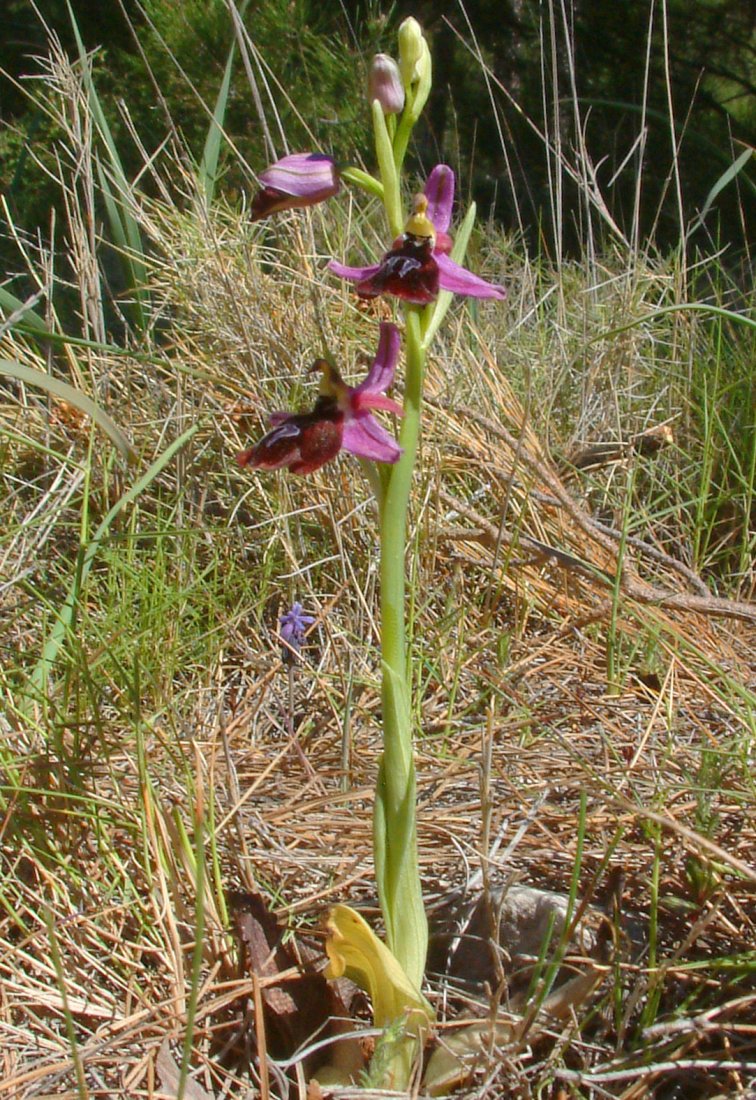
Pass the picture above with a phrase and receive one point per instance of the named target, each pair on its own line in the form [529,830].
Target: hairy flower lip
[408,271]
[341,419]
[295,181]
[300,442]
[417,277]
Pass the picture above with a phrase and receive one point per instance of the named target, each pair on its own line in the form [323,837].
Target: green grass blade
[123,224]
[10,368]
[60,974]
[208,168]
[117,225]
[40,674]
[20,314]
[200,874]
[727,177]
[680,307]
[207,173]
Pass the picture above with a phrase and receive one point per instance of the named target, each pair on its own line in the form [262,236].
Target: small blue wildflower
[292,626]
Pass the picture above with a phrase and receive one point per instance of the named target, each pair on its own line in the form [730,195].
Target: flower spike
[292,627]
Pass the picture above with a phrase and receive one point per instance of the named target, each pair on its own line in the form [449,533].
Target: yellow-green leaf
[355,950]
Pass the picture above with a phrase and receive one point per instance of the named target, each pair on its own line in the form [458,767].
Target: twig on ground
[631,585]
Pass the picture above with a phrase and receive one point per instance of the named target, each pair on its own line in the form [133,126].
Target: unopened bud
[411,50]
[423,69]
[385,84]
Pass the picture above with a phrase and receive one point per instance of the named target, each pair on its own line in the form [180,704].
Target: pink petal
[356,274]
[369,399]
[444,243]
[461,281]
[439,191]
[381,373]
[366,438]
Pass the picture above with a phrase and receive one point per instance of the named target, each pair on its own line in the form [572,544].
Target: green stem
[394,824]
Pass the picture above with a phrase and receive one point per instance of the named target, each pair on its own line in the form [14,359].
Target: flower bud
[412,49]
[423,70]
[385,84]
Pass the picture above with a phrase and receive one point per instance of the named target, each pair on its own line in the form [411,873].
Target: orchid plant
[423,269]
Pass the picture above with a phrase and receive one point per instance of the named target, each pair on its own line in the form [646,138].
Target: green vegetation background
[160,62]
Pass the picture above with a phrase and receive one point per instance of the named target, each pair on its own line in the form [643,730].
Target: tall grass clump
[580,561]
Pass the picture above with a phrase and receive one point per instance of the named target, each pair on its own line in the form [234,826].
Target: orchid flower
[341,419]
[418,263]
[301,179]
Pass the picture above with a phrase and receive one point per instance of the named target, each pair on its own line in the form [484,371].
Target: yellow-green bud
[385,84]
[411,51]
[424,69]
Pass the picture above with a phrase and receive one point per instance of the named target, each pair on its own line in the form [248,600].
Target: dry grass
[571,726]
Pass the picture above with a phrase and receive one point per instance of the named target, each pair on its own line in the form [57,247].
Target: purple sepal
[461,281]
